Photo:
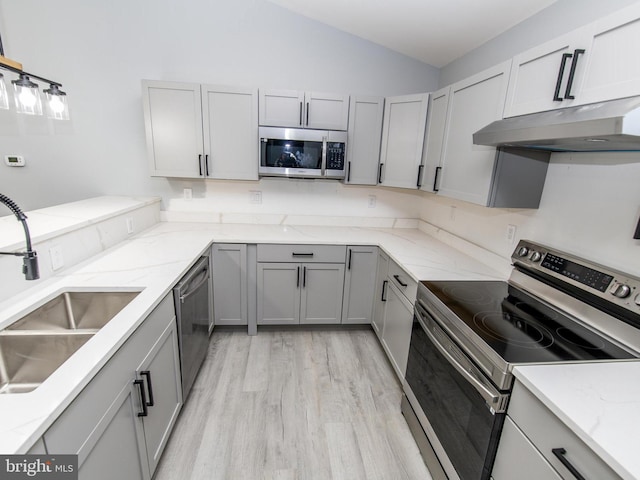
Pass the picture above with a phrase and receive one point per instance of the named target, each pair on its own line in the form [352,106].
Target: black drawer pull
[304,277]
[349,261]
[572,73]
[307,114]
[143,398]
[298,278]
[200,164]
[563,64]
[147,373]
[300,113]
[206,164]
[349,171]
[380,173]
[383,296]
[435,179]
[302,254]
[397,277]
[560,453]
[419,182]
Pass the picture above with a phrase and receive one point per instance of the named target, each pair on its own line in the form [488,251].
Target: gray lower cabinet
[295,293]
[230,285]
[113,433]
[359,284]
[396,331]
[380,293]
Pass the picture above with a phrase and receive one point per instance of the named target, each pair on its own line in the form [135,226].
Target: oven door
[460,410]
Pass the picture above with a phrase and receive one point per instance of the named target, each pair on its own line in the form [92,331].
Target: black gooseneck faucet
[30,257]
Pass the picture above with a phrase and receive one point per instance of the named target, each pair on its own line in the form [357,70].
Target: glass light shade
[56,103]
[4,96]
[27,96]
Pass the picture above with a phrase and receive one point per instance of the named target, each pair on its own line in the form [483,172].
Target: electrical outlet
[511,234]
[57,261]
[255,196]
[188,194]
[129,222]
[372,201]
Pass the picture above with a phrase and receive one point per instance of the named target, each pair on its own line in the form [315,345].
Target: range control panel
[616,287]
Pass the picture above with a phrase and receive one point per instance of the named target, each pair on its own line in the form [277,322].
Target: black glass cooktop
[520,328]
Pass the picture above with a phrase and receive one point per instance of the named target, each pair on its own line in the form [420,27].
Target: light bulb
[27,98]
[56,105]
[56,101]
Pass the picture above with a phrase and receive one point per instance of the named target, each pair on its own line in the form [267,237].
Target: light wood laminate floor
[305,403]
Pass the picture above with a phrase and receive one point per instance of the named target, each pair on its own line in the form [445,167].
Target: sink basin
[74,311]
[37,344]
[27,360]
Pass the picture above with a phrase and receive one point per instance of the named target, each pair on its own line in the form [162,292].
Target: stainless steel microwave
[302,153]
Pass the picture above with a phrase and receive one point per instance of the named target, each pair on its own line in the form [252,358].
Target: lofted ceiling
[432,31]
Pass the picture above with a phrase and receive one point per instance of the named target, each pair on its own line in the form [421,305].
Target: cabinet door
[365,134]
[434,138]
[381,293]
[230,284]
[160,373]
[326,111]
[360,284]
[403,130]
[230,125]
[535,73]
[281,108]
[467,169]
[321,294]
[116,446]
[611,69]
[396,333]
[279,293]
[173,126]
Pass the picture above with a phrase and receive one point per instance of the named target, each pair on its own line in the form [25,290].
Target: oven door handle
[470,372]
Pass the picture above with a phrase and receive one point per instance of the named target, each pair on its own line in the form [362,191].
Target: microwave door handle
[493,398]
[324,156]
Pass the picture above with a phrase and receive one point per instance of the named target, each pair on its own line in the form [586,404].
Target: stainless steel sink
[37,344]
[75,310]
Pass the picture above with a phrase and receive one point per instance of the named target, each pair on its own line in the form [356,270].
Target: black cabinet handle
[307,114]
[560,454]
[380,173]
[200,164]
[435,179]
[397,277]
[147,373]
[206,164]
[143,398]
[572,73]
[300,113]
[298,278]
[563,64]
[304,277]
[348,171]
[419,184]
[294,254]
[349,261]
[384,291]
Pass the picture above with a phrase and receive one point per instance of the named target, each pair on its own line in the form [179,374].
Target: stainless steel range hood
[598,127]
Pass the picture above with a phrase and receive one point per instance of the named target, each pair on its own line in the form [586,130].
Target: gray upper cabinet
[201,131]
[476,173]
[296,109]
[230,287]
[434,138]
[403,131]
[360,283]
[365,135]
[590,64]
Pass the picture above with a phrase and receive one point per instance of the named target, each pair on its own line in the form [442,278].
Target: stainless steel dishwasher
[194,308]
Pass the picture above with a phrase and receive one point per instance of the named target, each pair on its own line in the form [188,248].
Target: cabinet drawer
[401,279]
[302,253]
[518,458]
[547,432]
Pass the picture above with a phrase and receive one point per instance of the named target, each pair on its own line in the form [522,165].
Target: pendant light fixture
[27,94]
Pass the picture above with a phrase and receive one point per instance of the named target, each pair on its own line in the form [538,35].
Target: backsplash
[73,232]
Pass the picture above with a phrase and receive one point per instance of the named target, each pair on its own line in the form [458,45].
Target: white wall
[553,21]
[101,50]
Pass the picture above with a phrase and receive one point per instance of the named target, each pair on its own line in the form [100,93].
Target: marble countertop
[599,402]
[152,262]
